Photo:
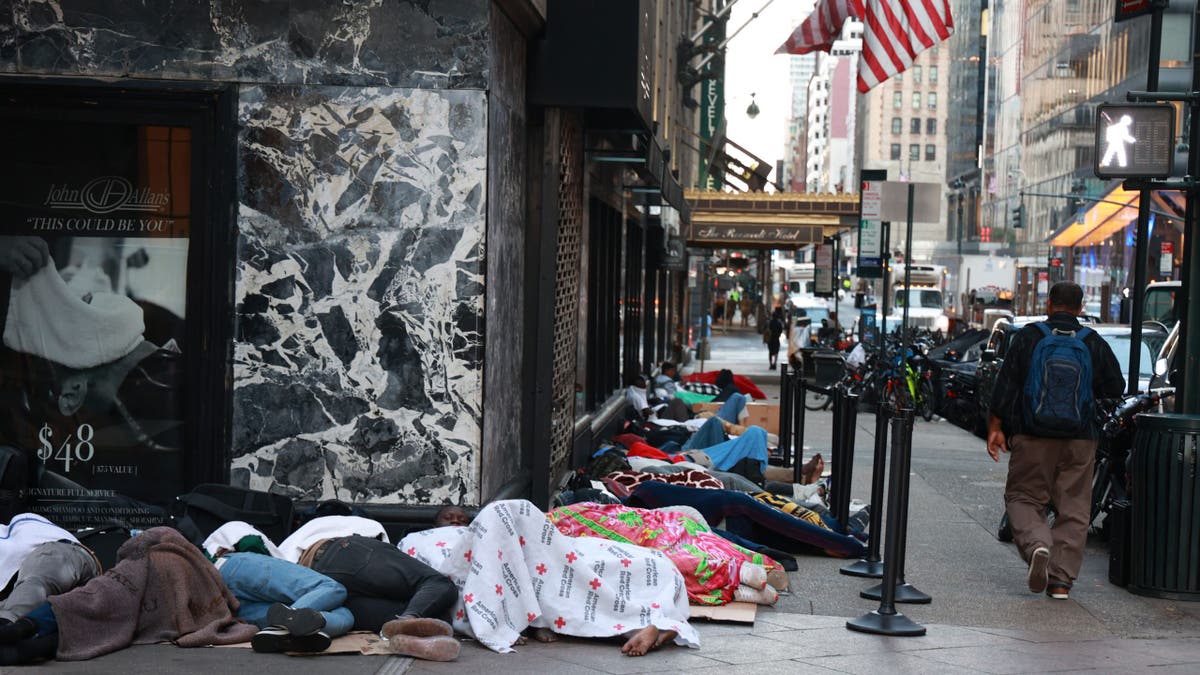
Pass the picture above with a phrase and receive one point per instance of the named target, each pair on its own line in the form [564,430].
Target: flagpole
[721,47]
[715,17]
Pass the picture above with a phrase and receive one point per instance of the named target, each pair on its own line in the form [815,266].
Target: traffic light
[1078,189]
[1018,216]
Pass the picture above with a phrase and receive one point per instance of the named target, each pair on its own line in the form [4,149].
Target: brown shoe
[416,627]
[1059,591]
[438,648]
[1038,562]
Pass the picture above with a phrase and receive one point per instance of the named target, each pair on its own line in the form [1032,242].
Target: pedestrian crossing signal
[1135,140]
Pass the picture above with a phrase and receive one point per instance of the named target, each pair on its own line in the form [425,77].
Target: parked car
[1116,335]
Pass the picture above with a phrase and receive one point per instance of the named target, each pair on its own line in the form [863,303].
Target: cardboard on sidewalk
[765,415]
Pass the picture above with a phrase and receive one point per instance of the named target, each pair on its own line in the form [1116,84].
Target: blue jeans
[259,581]
[732,409]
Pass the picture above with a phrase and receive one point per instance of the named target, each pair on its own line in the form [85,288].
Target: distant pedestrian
[774,330]
[1043,413]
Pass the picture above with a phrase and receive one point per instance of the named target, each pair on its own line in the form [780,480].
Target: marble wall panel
[359,352]
[399,43]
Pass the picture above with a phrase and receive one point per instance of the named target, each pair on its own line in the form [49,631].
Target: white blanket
[228,535]
[515,569]
[20,536]
[49,320]
[327,527]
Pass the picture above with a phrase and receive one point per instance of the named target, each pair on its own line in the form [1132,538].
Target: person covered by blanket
[161,589]
[516,572]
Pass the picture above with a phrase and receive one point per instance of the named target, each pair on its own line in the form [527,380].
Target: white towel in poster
[515,569]
[49,320]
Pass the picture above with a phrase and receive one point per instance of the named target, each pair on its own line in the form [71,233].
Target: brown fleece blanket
[161,589]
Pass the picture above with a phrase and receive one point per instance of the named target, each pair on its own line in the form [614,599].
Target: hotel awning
[1114,212]
[1100,221]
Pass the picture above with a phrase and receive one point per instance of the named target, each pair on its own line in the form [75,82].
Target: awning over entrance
[1111,214]
[759,220]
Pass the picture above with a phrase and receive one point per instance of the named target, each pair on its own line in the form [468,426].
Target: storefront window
[98,226]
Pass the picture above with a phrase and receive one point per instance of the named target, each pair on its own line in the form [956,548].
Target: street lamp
[752,111]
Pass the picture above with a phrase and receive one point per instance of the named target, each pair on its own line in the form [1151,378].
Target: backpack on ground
[1059,401]
[209,506]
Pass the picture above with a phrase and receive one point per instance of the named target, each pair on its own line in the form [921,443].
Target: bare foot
[521,641]
[647,640]
[544,635]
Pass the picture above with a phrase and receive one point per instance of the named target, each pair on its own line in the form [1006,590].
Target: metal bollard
[886,620]
[785,418]
[872,565]
[902,591]
[845,419]
[799,391]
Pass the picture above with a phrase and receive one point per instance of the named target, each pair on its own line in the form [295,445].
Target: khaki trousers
[1057,471]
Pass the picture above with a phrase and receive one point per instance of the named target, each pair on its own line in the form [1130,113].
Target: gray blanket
[161,590]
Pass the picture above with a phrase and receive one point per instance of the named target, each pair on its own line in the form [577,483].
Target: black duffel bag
[209,506]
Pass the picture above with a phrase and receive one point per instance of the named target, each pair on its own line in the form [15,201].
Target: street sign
[870,225]
[1166,263]
[1056,262]
[1129,9]
[1135,140]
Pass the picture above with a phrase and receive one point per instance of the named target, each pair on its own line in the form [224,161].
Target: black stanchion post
[872,565]
[886,620]
[848,421]
[835,453]
[903,591]
[785,410]
[798,413]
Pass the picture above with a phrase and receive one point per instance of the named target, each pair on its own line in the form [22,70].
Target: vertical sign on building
[823,269]
[712,105]
[1166,263]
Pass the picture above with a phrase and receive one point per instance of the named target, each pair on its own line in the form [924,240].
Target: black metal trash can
[1165,524]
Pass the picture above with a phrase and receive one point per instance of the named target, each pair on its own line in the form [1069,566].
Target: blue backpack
[1058,388]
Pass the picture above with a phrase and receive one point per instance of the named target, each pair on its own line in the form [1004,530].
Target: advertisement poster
[95,220]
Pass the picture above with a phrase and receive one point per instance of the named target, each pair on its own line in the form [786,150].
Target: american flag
[895,31]
[821,28]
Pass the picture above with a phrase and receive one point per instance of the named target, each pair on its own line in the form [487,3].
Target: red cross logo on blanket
[522,540]
[619,627]
[499,589]
[460,614]
[469,597]
[467,555]
[500,554]
[571,557]
[530,617]
[626,562]
[594,583]
[541,569]
[655,605]
[440,544]
[560,622]
[411,551]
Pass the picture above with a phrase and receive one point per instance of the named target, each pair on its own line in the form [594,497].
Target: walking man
[1043,414]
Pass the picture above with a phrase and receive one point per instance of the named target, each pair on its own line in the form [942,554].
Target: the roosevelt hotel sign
[759,236]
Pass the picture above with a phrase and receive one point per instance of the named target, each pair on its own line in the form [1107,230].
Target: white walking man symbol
[1116,136]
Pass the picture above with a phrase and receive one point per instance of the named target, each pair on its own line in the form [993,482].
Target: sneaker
[1037,569]
[305,621]
[1059,591]
[276,639]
